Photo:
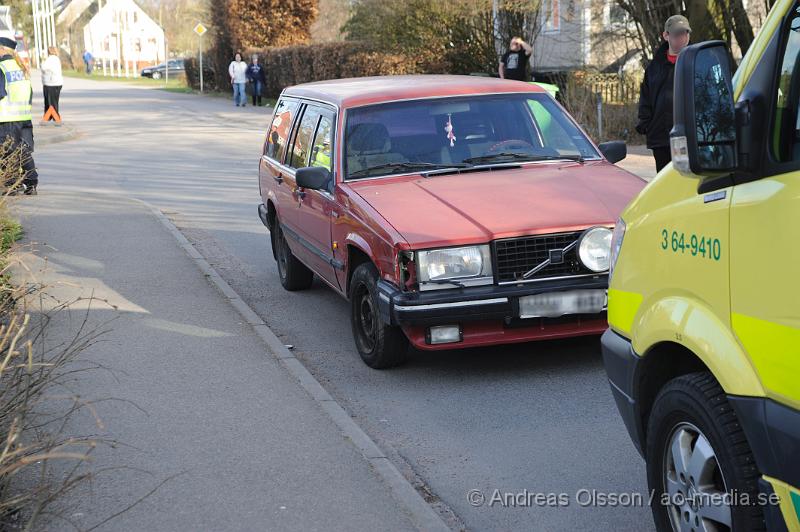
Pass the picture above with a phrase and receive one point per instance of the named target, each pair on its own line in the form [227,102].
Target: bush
[292,65]
[34,375]
[457,37]
[192,72]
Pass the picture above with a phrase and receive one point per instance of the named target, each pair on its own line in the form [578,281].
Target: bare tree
[710,19]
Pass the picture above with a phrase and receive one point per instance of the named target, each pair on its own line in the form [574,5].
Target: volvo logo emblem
[556,256]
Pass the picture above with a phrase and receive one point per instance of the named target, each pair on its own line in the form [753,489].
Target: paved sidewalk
[640,162]
[252,450]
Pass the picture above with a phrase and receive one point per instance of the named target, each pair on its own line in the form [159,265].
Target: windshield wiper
[406,166]
[513,156]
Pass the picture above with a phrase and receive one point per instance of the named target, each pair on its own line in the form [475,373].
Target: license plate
[555,304]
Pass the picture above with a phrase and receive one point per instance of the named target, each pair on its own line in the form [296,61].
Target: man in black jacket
[655,99]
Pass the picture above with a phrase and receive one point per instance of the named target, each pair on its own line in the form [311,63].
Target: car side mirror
[614,151]
[312,177]
[703,140]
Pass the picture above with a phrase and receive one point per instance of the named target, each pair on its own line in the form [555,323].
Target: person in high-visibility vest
[16,115]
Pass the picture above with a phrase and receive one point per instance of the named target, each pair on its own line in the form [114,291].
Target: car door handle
[278,178]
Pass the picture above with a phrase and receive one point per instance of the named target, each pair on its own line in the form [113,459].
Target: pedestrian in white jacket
[238,73]
[52,80]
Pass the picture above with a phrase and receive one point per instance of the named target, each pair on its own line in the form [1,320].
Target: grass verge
[175,82]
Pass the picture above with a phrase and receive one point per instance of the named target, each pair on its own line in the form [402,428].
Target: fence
[614,115]
[614,88]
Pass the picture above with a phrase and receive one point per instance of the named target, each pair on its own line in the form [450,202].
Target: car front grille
[515,257]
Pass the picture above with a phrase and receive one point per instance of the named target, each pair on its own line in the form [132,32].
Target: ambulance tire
[695,448]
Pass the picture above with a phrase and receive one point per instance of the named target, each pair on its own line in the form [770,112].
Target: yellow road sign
[200,29]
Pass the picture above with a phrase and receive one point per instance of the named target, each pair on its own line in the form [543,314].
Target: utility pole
[496,28]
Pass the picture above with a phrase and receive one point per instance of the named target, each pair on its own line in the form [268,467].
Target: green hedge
[292,65]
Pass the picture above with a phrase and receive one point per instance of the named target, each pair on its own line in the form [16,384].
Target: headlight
[437,265]
[616,245]
[594,249]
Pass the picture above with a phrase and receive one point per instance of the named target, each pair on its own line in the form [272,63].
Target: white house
[122,38]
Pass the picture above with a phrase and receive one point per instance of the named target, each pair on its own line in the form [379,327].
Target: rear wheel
[697,458]
[379,345]
[294,274]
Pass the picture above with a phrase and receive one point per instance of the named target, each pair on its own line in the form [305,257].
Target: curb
[422,515]
[67,133]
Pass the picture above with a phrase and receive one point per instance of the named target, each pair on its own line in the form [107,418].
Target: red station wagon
[451,211]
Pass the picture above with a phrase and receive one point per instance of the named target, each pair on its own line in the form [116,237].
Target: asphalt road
[522,420]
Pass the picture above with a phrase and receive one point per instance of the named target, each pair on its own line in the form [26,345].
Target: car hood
[477,207]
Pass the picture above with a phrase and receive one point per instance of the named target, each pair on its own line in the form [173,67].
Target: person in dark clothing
[258,77]
[513,64]
[16,126]
[655,98]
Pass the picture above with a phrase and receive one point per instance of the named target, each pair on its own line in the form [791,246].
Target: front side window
[785,139]
[279,131]
[409,136]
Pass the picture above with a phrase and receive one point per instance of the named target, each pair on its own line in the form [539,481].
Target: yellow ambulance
[703,349]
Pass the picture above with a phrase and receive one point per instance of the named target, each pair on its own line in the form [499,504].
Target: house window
[551,16]
[616,16]
[569,16]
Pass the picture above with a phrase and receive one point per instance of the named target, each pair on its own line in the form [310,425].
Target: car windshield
[421,135]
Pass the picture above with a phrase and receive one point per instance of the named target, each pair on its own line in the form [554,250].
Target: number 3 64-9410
[690,244]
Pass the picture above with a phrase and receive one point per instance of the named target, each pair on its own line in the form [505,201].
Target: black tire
[692,418]
[380,346]
[294,274]
[156,75]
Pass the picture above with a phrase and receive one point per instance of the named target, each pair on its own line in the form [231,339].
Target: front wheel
[379,345]
[156,75]
[699,465]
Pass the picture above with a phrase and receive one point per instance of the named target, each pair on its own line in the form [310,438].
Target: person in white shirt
[238,73]
[52,80]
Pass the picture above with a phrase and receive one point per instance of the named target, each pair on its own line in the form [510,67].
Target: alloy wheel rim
[698,495]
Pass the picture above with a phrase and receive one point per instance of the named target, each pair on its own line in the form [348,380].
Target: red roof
[353,92]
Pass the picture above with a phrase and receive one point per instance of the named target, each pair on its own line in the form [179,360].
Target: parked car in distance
[176,68]
[451,211]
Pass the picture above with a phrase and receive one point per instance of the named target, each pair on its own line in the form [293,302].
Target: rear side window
[278,136]
[302,141]
[321,151]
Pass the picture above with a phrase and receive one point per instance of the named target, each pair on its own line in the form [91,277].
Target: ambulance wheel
[700,467]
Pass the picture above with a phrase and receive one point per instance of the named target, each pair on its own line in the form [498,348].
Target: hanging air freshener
[448,127]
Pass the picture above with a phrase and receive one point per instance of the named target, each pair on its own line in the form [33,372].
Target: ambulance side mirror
[703,140]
